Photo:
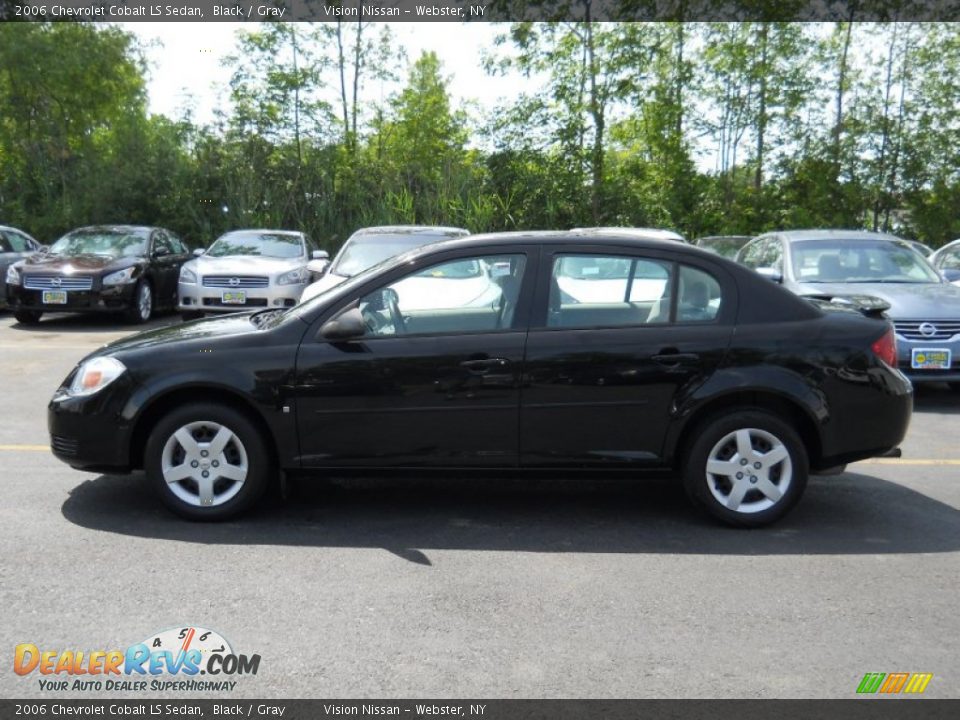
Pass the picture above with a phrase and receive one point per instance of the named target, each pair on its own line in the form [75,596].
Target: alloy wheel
[204,463]
[749,470]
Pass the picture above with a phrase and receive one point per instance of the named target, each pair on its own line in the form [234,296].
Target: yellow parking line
[28,448]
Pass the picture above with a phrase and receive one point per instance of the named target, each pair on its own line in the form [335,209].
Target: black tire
[136,313]
[701,486]
[204,420]
[28,317]
[188,315]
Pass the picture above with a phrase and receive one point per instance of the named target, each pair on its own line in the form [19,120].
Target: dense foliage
[707,128]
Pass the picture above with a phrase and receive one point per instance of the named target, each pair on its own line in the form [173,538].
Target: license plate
[234,297]
[930,359]
[54,297]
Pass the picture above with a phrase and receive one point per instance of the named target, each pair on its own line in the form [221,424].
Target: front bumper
[89,433]
[113,298]
[193,297]
[905,350]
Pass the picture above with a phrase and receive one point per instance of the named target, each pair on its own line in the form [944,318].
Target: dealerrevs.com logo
[894,683]
[170,660]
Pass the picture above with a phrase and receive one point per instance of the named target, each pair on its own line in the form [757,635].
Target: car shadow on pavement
[846,514]
[83,323]
[936,397]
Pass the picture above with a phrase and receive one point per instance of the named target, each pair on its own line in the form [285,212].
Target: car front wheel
[27,317]
[141,308]
[207,462]
[748,468]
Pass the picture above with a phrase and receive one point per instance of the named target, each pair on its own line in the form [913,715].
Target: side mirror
[318,267]
[160,252]
[771,274]
[347,325]
[320,255]
[951,274]
[198,252]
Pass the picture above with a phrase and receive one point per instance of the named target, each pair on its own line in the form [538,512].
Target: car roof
[804,235]
[440,230]
[724,237]
[637,232]
[115,228]
[262,230]
[560,237]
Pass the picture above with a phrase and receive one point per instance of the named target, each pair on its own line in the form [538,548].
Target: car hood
[234,324]
[908,301]
[69,264]
[244,265]
[322,285]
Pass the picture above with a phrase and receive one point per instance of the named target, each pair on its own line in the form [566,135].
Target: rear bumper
[114,298]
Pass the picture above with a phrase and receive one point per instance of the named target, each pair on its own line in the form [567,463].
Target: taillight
[886,348]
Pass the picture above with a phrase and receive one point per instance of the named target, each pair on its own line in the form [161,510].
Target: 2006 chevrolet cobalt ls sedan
[669,359]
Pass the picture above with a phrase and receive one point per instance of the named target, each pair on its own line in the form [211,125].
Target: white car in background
[246,269]
[947,261]
[597,280]
[371,246]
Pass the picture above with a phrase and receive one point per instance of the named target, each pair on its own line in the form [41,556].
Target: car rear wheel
[748,468]
[27,317]
[207,462]
[142,308]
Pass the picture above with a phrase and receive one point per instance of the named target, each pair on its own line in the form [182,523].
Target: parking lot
[485,588]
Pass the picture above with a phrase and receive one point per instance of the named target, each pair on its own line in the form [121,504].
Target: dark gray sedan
[15,245]
[924,307]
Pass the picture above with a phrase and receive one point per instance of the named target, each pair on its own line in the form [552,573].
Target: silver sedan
[247,269]
[924,307]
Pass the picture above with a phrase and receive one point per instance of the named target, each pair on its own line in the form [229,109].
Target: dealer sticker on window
[930,359]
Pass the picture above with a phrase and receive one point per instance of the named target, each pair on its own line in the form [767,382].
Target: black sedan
[586,353]
[106,268]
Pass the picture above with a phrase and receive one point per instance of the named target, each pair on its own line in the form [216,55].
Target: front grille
[64,445]
[935,329]
[235,281]
[56,282]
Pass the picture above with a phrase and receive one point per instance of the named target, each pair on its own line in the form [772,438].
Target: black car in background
[15,245]
[667,360]
[105,268]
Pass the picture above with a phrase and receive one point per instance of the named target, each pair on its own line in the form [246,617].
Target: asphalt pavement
[380,588]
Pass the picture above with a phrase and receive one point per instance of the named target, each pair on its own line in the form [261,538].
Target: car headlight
[294,277]
[120,277]
[188,276]
[13,275]
[94,375]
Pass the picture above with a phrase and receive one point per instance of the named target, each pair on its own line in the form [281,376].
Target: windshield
[108,243]
[365,251]
[859,261]
[275,245]
[727,247]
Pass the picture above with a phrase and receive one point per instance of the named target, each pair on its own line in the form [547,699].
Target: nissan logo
[234,282]
[928,329]
[55,282]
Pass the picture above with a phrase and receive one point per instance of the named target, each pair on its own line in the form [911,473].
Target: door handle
[675,358]
[482,367]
